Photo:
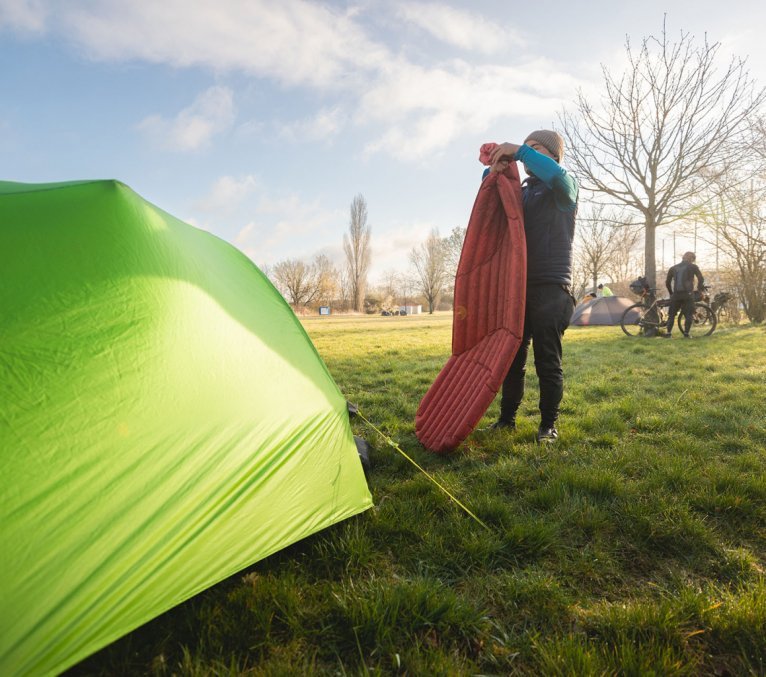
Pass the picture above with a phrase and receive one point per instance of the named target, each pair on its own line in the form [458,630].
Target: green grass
[634,546]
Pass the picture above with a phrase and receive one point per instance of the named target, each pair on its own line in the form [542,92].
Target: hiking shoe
[667,336]
[687,336]
[547,434]
[500,424]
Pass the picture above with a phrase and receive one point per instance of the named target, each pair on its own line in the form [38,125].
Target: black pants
[683,301]
[548,311]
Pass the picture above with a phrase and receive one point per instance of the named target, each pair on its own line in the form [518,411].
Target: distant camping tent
[604,310]
[166,421]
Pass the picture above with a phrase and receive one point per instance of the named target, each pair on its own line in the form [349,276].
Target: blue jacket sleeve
[553,175]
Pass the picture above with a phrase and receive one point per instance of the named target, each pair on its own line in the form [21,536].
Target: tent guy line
[393,444]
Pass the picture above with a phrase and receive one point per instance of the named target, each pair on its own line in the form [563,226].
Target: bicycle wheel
[633,320]
[662,317]
[704,321]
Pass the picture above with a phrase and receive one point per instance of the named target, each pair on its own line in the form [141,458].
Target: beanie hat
[553,141]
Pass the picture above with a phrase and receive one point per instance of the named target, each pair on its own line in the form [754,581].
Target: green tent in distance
[165,421]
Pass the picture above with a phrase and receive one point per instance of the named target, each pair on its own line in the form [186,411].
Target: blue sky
[261,120]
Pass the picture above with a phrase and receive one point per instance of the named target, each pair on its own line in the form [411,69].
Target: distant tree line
[309,285]
[429,281]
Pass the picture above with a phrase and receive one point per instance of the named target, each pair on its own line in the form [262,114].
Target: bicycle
[725,307]
[704,320]
[647,319]
[705,315]
[644,318]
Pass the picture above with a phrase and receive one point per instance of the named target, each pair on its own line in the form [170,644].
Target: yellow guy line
[393,444]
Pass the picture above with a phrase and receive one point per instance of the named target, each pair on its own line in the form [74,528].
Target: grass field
[636,545]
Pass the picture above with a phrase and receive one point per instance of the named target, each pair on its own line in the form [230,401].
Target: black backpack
[682,280]
[639,286]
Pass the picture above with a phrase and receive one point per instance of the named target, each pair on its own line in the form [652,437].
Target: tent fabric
[605,310]
[488,322]
[165,420]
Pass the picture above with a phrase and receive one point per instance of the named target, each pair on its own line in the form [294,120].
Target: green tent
[164,420]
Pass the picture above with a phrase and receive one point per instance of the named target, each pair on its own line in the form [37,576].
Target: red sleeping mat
[490,290]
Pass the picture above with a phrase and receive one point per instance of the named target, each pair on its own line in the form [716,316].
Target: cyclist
[680,284]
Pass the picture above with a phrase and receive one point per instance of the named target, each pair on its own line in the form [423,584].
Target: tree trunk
[650,265]
[650,256]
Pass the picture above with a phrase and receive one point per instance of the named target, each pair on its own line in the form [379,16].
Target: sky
[261,120]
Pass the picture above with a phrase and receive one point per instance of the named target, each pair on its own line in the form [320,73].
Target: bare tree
[604,246]
[624,261]
[663,131]
[327,280]
[580,277]
[302,284]
[390,282]
[429,261]
[758,131]
[344,290]
[593,245]
[453,245]
[296,281]
[356,245]
[739,227]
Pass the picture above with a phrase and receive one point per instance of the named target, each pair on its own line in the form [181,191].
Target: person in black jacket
[550,206]
[680,284]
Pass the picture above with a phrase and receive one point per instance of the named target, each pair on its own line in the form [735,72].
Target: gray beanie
[553,141]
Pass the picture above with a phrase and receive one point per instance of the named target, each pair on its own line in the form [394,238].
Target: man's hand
[506,151]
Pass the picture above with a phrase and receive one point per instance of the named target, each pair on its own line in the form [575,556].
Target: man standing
[680,284]
[550,205]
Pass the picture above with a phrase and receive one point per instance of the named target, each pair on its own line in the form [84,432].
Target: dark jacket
[680,279]
[550,207]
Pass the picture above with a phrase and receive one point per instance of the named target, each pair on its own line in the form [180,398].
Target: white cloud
[459,28]
[478,91]
[427,108]
[294,41]
[276,226]
[288,227]
[250,129]
[406,110]
[296,218]
[228,192]
[245,241]
[327,123]
[392,251]
[27,16]
[193,128]
[243,236]
[430,134]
